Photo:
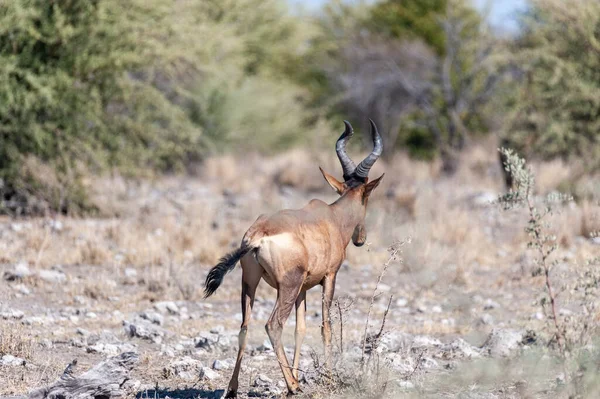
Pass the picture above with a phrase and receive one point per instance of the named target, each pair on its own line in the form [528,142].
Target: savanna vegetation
[149,87]
[139,140]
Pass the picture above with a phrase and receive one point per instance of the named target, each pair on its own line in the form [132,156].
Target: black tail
[225,265]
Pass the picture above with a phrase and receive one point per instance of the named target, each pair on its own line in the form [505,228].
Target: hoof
[231,394]
[294,391]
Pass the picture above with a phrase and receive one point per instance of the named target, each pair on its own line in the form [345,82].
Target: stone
[461,348]
[52,276]
[208,374]
[12,314]
[11,361]
[217,330]
[19,272]
[105,349]
[220,365]
[185,368]
[167,307]
[436,309]
[407,385]
[262,381]
[502,343]
[490,304]
[145,330]
[22,289]
[402,363]
[153,317]
[401,302]
[486,319]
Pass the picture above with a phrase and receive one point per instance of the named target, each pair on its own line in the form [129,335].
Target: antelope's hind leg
[328,290]
[250,278]
[300,330]
[287,294]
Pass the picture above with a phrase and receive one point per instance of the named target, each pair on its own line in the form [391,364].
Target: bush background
[146,87]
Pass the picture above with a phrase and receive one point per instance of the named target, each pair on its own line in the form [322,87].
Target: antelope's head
[356,185]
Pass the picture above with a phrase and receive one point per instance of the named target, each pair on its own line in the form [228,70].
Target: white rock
[83,332]
[401,302]
[52,276]
[405,384]
[130,272]
[167,307]
[490,304]
[262,381]
[384,287]
[12,314]
[10,360]
[217,330]
[222,364]
[105,349]
[486,319]
[401,363]
[22,289]
[209,374]
[153,317]
[462,348]
[502,342]
[20,271]
[186,368]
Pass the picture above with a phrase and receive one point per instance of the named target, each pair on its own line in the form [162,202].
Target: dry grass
[15,341]
[166,233]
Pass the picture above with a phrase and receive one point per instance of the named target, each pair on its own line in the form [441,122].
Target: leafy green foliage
[557,106]
[138,85]
[411,19]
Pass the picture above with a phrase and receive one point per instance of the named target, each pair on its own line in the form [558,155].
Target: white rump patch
[280,240]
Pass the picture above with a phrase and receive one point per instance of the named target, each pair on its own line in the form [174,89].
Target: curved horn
[340,147]
[362,170]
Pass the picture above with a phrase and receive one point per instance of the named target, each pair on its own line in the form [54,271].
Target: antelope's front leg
[300,330]
[328,289]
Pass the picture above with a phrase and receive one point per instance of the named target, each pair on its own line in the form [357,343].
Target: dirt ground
[466,316]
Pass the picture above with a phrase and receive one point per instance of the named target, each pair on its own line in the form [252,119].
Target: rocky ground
[464,315]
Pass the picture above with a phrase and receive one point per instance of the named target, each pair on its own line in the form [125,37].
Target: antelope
[295,250]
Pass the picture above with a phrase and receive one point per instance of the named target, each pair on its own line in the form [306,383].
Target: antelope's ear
[337,185]
[370,186]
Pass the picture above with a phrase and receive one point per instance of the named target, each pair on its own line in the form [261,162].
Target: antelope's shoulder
[316,203]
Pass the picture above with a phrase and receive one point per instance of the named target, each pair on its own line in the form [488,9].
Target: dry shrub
[454,227]
[403,199]
[480,162]
[93,253]
[40,188]
[299,170]
[590,219]
[236,174]
[551,175]
[15,341]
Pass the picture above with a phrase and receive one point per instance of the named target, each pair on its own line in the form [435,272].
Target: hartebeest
[294,250]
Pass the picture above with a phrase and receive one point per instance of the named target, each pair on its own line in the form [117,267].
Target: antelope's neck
[348,214]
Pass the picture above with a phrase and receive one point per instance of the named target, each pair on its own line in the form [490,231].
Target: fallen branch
[108,379]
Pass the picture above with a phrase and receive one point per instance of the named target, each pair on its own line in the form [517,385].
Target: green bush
[557,101]
[87,85]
